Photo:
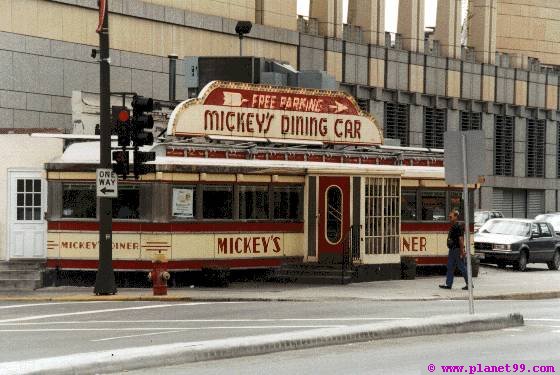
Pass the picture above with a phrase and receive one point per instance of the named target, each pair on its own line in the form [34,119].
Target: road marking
[349,319]
[50,304]
[160,328]
[129,336]
[36,317]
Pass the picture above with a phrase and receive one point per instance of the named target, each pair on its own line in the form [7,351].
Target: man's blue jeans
[454,260]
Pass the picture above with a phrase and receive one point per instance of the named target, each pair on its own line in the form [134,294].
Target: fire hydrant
[159,275]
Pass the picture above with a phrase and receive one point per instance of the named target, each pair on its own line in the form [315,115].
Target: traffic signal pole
[105,279]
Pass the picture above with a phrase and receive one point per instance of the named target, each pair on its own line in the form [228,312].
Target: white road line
[129,336]
[52,303]
[37,317]
[348,319]
[160,328]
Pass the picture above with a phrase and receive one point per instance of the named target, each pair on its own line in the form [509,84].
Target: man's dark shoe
[443,286]
[466,287]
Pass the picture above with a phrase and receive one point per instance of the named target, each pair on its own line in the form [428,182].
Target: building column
[448,28]
[369,15]
[411,24]
[329,16]
[482,29]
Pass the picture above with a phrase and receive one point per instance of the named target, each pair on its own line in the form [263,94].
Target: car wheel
[521,264]
[554,264]
[502,264]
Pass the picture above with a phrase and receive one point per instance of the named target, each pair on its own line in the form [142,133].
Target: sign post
[105,278]
[464,163]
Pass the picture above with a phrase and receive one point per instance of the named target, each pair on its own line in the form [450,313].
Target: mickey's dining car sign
[259,111]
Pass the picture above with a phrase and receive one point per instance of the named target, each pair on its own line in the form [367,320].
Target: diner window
[457,203]
[217,202]
[287,202]
[408,205]
[253,202]
[433,206]
[333,230]
[183,204]
[79,201]
[127,204]
[382,222]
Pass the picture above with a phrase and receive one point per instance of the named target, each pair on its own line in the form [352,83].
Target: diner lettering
[93,245]
[249,245]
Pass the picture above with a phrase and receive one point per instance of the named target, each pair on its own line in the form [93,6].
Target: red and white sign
[259,111]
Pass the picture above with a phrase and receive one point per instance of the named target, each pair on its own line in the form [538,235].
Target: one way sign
[106,183]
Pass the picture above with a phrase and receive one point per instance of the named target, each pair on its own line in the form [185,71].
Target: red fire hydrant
[159,275]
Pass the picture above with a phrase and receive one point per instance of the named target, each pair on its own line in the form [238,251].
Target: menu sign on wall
[259,111]
[183,200]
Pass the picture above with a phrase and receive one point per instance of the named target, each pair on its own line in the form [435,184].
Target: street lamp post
[242,28]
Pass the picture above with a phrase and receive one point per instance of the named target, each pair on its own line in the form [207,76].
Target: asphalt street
[536,343]
[54,329]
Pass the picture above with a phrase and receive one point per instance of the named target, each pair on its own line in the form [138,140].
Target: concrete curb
[183,298]
[179,353]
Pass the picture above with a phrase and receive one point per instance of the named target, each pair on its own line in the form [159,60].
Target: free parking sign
[106,183]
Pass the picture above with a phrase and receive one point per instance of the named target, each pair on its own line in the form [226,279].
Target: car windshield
[480,217]
[514,228]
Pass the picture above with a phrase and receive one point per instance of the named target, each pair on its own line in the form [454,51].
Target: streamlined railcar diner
[244,181]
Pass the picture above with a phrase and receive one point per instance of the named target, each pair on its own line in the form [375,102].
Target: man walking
[456,246]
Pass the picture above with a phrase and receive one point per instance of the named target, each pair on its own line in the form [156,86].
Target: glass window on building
[79,201]
[183,203]
[287,202]
[434,127]
[503,145]
[535,147]
[217,202]
[253,202]
[471,121]
[397,122]
[408,205]
[433,206]
[127,204]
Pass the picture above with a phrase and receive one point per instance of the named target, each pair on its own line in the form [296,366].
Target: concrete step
[19,284]
[20,274]
[21,265]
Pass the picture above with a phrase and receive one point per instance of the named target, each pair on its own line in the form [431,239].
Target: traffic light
[121,124]
[121,167]
[140,158]
[142,123]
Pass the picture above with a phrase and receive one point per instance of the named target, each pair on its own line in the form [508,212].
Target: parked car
[481,217]
[517,242]
[552,218]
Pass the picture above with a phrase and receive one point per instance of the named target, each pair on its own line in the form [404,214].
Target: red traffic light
[124,116]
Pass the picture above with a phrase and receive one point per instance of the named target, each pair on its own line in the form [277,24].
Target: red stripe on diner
[426,261]
[84,264]
[181,227]
[427,227]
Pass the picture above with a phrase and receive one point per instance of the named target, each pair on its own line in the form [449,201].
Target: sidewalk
[492,283]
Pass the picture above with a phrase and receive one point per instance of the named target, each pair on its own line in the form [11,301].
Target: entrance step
[21,275]
[314,273]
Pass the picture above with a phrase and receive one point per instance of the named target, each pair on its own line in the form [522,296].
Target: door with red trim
[334,217]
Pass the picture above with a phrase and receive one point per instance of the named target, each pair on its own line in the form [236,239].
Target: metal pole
[240,45]
[172,76]
[105,278]
[467,222]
